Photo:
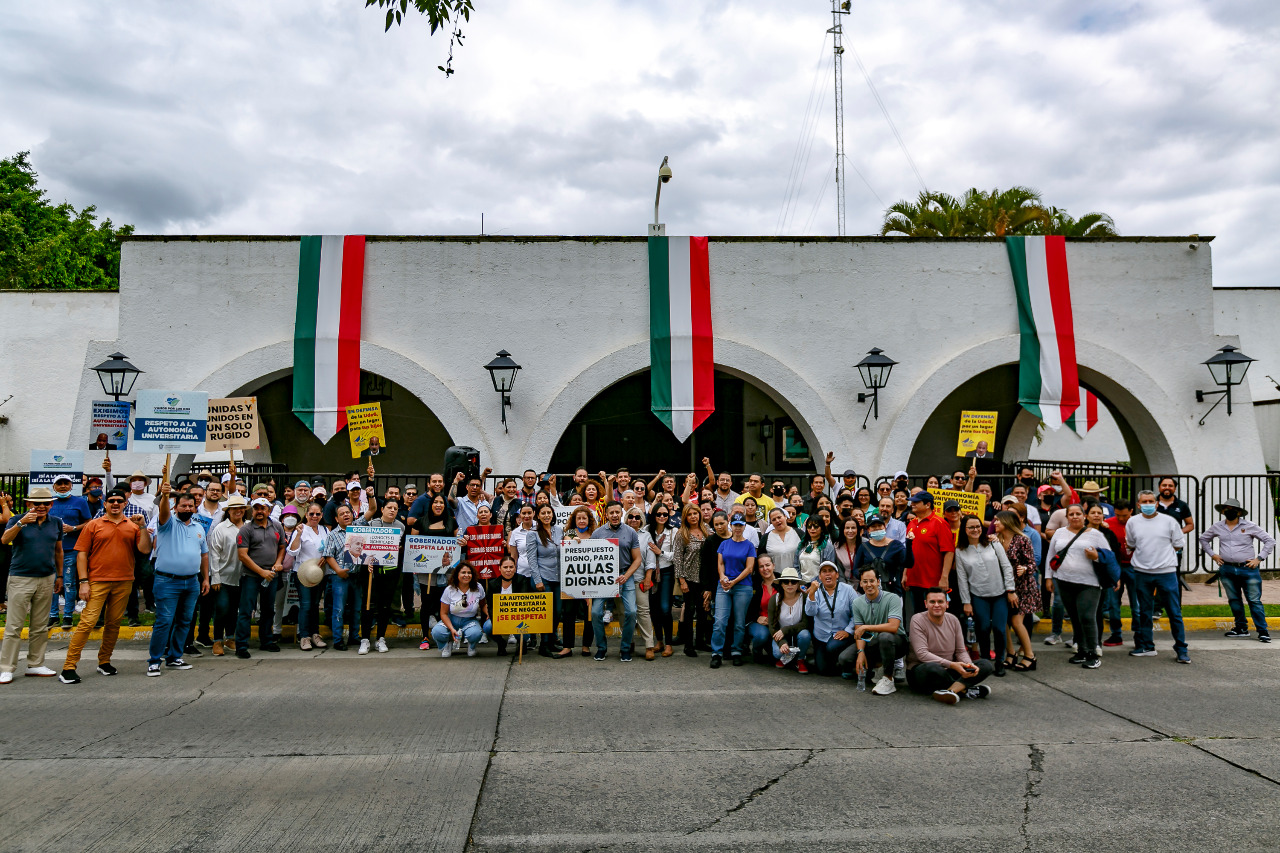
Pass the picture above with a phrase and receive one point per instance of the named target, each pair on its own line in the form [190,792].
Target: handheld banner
[364,428]
[485,546]
[170,422]
[425,555]
[977,434]
[562,514]
[233,424]
[971,503]
[109,425]
[46,465]
[373,546]
[521,613]
[589,568]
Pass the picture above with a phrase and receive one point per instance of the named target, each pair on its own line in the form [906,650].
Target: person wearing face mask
[1237,559]
[290,519]
[72,512]
[1156,541]
[889,557]
[181,575]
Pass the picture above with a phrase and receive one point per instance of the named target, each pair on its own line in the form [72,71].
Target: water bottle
[789,656]
[862,681]
[971,633]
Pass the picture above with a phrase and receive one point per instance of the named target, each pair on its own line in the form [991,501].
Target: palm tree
[1016,210]
[998,213]
[1058,221]
[933,214]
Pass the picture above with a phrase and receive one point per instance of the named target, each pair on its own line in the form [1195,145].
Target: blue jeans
[1129,586]
[802,641]
[730,604]
[467,626]
[349,590]
[1148,585]
[1238,579]
[70,587]
[175,605]
[309,607]
[991,614]
[255,590]
[827,654]
[660,605]
[759,637]
[1109,611]
[628,620]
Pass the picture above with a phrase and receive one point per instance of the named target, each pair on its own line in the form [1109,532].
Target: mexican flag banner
[1084,418]
[681,354]
[326,332]
[1048,384]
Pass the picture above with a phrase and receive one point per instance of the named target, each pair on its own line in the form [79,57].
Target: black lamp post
[874,370]
[117,376]
[766,435]
[503,370]
[1227,367]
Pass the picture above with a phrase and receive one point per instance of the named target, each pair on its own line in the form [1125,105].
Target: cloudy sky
[302,116]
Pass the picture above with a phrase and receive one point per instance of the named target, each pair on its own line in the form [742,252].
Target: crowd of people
[841,579]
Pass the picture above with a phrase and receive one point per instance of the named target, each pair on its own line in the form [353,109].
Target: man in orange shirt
[933,547]
[104,566]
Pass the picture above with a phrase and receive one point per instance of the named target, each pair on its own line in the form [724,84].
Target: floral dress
[1025,580]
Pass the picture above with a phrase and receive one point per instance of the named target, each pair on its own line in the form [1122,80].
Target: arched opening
[416,440]
[616,429]
[1128,432]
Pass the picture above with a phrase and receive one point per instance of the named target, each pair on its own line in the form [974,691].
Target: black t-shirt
[1178,509]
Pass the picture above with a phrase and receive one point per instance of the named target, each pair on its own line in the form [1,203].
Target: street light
[117,376]
[503,370]
[1227,367]
[657,229]
[766,435]
[874,370]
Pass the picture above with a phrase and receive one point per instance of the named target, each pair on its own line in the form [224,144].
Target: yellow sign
[364,428]
[521,613]
[977,435]
[233,424]
[971,503]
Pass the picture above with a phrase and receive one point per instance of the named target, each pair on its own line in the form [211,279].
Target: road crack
[1035,773]
[758,792]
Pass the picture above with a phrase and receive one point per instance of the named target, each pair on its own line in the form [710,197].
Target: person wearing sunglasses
[662,543]
[789,626]
[104,568]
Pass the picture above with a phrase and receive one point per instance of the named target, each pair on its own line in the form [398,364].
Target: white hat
[61,477]
[900,474]
[310,572]
[354,484]
[259,502]
[226,477]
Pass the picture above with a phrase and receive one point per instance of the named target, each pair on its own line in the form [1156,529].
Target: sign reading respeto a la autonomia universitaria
[48,465]
[233,424]
[433,555]
[171,422]
[589,568]
[109,425]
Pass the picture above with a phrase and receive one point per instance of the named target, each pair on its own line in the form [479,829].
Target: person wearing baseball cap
[933,546]
[829,604]
[848,479]
[35,577]
[736,558]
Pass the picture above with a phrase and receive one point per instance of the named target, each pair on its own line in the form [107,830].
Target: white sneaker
[381,645]
[364,647]
[471,651]
[39,672]
[1053,639]
[6,677]
[484,638]
[446,650]
[884,686]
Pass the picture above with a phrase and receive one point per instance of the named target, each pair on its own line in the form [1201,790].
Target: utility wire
[808,126]
[885,110]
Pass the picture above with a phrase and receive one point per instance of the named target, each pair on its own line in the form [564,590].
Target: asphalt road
[333,752]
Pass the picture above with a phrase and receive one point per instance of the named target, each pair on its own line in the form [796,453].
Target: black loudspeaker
[464,459]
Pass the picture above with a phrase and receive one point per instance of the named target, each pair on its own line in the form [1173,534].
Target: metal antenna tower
[839,8]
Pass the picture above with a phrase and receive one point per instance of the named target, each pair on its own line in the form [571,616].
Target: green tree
[438,12]
[997,213]
[52,247]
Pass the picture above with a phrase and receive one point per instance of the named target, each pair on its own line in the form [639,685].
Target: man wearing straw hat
[1238,560]
[1091,491]
[35,577]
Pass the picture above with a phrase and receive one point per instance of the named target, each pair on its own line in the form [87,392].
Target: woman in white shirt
[304,545]
[1069,571]
[985,578]
[521,540]
[461,611]
[781,541]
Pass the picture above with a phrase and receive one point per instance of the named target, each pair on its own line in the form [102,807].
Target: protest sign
[485,546]
[589,568]
[521,613]
[233,424]
[562,514]
[109,425]
[364,428]
[170,422]
[971,503]
[425,555]
[48,464]
[977,433]
[373,546]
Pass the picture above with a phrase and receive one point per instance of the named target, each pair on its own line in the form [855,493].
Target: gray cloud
[304,117]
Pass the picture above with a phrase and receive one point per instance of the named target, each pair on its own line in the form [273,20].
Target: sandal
[1025,664]
[1010,661]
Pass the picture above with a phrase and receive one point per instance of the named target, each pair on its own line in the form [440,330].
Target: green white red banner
[1048,382]
[681,342]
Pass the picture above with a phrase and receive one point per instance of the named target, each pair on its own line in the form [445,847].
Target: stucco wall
[43,337]
[1253,313]
[793,316]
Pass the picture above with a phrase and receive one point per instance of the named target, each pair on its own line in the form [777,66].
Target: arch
[799,400]
[266,364]
[1156,423]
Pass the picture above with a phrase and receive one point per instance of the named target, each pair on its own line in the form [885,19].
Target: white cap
[226,477]
[61,477]
[900,474]
[354,484]
[259,502]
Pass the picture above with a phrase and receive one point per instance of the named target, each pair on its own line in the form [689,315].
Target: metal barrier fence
[1258,493]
